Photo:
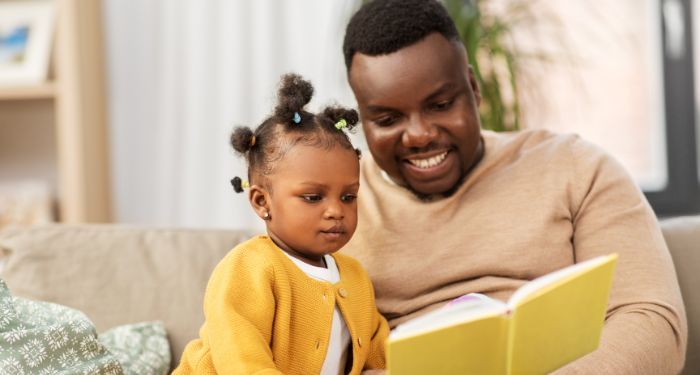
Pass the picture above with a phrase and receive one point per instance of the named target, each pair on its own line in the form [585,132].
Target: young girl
[286,302]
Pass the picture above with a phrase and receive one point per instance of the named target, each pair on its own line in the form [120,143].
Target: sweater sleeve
[645,330]
[376,358]
[239,310]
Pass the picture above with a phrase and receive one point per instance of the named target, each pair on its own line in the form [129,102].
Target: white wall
[182,73]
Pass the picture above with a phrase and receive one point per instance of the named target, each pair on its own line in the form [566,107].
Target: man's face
[418,107]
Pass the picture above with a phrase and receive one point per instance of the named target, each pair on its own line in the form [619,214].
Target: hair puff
[335,114]
[242,139]
[237,184]
[294,93]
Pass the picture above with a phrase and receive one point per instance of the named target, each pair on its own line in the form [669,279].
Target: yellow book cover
[546,324]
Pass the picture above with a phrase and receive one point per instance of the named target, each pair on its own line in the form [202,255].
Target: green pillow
[46,338]
[140,348]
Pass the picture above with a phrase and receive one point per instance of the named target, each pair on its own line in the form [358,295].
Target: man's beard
[446,194]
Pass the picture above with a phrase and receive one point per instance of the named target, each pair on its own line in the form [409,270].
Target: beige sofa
[120,275]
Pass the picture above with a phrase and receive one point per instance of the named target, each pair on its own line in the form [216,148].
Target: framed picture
[26,35]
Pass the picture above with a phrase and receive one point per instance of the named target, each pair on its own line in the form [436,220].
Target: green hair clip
[245,184]
[341,124]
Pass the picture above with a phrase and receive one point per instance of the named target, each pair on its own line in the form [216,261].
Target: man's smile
[428,162]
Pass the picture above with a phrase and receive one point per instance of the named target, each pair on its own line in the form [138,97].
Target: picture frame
[26,36]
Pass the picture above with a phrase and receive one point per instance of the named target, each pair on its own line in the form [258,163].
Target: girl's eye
[348,197]
[312,198]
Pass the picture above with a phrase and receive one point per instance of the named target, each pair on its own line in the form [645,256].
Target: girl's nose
[334,211]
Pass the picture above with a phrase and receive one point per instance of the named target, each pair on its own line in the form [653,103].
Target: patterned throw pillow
[142,348]
[45,338]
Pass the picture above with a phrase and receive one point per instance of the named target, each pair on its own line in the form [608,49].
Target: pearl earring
[266,216]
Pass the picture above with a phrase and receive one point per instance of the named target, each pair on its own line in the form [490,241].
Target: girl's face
[312,201]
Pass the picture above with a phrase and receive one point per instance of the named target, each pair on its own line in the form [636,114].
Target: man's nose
[419,133]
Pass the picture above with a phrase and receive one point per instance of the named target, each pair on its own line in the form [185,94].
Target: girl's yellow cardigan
[263,315]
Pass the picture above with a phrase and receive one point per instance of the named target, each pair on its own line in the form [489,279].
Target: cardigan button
[359,341]
[343,293]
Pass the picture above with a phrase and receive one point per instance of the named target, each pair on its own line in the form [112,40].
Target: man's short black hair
[384,26]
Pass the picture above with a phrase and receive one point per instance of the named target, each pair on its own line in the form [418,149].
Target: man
[447,209]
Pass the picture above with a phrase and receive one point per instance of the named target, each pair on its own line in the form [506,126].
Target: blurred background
[121,111]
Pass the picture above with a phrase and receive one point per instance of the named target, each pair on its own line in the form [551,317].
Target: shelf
[40,91]
[68,112]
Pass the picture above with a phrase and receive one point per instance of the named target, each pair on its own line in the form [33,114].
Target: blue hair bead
[297,118]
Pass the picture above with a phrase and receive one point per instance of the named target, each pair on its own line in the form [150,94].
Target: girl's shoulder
[259,252]
[259,243]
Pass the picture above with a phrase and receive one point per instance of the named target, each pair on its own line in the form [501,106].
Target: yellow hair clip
[341,124]
[245,184]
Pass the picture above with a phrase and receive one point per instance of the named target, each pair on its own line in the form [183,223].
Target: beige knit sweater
[535,203]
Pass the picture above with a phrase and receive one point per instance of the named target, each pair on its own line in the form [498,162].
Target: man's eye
[348,197]
[312,198]
[385,121]
[443,105]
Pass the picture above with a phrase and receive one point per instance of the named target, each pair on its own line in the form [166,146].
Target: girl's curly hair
[289,125]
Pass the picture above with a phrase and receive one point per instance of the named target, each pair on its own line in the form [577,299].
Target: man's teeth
[429,162]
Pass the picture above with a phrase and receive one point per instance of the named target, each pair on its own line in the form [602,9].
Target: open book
[546,324]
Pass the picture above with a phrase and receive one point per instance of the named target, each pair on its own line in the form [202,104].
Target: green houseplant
[487,36]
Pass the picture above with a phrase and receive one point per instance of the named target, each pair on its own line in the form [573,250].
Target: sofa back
[118,275]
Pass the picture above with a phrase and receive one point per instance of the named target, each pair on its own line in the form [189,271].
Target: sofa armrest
[682,236]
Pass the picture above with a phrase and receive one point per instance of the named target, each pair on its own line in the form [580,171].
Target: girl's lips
[337,228]
[333,236]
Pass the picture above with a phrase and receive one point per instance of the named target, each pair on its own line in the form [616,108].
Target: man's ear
[259,198]
[475,86]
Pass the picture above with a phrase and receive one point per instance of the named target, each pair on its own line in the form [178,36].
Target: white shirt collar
[329,274]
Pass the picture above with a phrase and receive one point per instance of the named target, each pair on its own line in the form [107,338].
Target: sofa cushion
[119,275]
[682,236]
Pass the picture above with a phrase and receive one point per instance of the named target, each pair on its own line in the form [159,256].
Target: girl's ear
[259,198]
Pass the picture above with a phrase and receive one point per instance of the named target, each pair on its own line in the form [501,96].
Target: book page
[538,284]
[471,306]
